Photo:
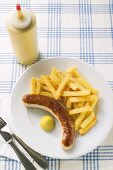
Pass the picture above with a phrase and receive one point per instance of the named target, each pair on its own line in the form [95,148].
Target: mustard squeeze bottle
[22,30]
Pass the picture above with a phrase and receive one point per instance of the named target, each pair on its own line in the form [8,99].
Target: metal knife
[35,155]
[25,161]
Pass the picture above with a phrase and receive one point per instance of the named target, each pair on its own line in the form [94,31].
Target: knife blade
[7,136]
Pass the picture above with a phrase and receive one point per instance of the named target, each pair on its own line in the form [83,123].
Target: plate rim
[13,127]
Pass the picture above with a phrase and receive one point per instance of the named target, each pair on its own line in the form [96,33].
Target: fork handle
[35,155]
[24,160]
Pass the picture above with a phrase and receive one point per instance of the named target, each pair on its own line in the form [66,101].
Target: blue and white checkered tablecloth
[73,28]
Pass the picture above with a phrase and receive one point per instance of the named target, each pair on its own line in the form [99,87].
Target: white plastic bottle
[21,26]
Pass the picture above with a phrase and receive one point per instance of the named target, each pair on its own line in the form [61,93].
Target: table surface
[71,28]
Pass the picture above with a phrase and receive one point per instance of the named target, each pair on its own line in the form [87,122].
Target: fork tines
[2,123]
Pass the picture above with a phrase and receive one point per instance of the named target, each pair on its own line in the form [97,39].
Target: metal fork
[9,139]
[35,155]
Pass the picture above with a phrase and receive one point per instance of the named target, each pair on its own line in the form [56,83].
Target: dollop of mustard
[47,123]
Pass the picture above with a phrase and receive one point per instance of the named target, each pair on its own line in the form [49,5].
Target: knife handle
[24,160]
[35,155]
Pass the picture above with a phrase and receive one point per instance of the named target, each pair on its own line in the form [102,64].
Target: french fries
[80,104]
[75,92]
[72,86]
[74,71]
[83,131]
[87,85]
[54,76]
[49,85]
[80,110]
[44,87]
[62,86]
[80,87]
[93,103]
[87,120]
[46,93]
[83,98]
[38,86]
[33,86]
[80,118]
[68,104]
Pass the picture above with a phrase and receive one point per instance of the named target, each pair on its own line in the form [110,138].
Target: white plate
[26,120]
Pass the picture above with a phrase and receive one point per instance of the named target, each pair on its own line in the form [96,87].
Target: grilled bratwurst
[58,111]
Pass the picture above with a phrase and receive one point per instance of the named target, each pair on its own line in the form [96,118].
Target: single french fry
[72,85]
[33,86]
[87,115]
[80,118]
[87,120]
[38,86]
[87,85]
[84,98]
[93,103]
[44,87]
[46,93]
[76,93]
[54,84]
[49,85]
[60,74]
[88,127]
[81,109]
[62,86]
[68,104]
[74,72]
[54,76]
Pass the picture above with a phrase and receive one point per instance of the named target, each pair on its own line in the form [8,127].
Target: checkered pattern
[73,28]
